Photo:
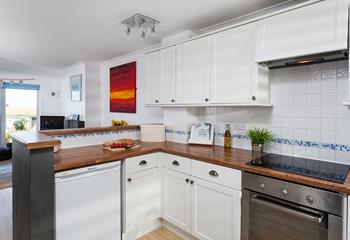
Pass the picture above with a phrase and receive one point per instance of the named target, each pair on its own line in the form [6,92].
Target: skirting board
[181,233]
[142,230]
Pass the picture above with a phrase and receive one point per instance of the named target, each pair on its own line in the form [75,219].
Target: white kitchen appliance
[88,203]
[152,132]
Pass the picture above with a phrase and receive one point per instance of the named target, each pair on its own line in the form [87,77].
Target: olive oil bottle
[227,137]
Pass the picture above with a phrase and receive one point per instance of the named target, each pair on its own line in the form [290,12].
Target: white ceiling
[53,34]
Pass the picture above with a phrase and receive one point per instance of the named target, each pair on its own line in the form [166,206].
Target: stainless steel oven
[278,210]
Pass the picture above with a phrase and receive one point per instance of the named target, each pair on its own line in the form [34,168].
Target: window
[21,109]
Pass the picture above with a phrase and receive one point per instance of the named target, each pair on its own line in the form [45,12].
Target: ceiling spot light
[143,23]
[143,35]
[153,30]
[128,30]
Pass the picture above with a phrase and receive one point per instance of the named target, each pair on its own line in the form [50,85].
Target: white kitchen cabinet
[176,197]
[142,199]
[167,75]
[193,72]
[316,28]
[152,78]
[215,211]
[234,72]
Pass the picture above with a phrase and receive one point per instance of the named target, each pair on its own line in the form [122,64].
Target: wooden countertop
[35,140]
[233,158]
[86,130]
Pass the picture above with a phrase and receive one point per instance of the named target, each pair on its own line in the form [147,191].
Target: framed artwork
[122,94]
[75,87]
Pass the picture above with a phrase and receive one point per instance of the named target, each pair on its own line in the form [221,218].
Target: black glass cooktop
[329,171]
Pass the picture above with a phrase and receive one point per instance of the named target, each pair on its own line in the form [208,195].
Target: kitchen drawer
[141,163]
[222,175]
[176,163]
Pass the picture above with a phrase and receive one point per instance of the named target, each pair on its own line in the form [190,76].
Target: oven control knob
[284,192]
[309,199]
[262,185]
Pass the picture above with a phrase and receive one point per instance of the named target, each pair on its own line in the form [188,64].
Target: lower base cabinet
[176,199]
[215,211]
[206,210]
[142,199]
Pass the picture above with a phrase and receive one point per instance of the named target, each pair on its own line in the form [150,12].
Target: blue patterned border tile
[89,134]
[177,132]
[285,141]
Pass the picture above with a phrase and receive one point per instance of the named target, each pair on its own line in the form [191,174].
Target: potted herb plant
[259,137]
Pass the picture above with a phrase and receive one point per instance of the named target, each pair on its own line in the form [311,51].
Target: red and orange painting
[122,94]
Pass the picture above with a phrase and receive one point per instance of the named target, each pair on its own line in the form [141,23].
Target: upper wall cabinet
[193,72]
[152,78]
[167,75]
[234,72]
[317,28]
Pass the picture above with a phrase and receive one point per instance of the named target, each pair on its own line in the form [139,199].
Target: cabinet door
[233,65]
[152,78]
[316,28]
[167,75]
[176,199]
[142,198]
[216,211]
[193,72]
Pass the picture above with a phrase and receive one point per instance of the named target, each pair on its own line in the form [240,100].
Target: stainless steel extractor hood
[310,59]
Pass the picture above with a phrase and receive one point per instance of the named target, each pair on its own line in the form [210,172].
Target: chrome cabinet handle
[176,163]
[143,162]
[213,173]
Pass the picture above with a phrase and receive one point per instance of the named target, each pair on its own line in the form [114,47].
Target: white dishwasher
[88,203]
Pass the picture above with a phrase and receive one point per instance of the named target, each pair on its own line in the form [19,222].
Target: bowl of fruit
[119,123]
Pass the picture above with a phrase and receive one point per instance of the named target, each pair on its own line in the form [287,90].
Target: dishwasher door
[88,203]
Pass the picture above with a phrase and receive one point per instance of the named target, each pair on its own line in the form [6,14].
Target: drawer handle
[213,173]
[187,180]
[129,179]
[191,182]
[176,163]
[143,162]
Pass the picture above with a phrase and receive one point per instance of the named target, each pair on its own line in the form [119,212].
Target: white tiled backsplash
[307,117]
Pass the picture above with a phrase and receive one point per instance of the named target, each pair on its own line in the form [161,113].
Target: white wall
[92,95]
[143,114]
[68,106]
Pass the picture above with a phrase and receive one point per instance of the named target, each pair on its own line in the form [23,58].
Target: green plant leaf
[259,136]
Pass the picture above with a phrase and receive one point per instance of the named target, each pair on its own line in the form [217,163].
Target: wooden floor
[161,234]
[6,221]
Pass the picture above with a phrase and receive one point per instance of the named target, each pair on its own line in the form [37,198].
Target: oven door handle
[287,209]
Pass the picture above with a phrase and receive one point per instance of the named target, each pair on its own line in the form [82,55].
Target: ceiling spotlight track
[143,23]
[14,80]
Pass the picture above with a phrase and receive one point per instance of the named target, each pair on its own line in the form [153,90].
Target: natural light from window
[21,110]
